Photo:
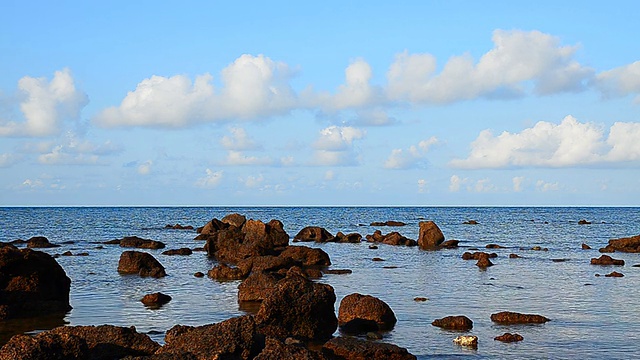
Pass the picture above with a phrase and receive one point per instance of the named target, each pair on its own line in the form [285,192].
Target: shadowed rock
[40,242]
[224,272]
[136,242]
[363,313]
[307,256]
[181,251]
[155,300]
[348,238]
[509,338]
[44,346]
[288,350]
[459,322]
[606,260]
[478,255]
[630,245]
[257,286]
[509,317]
[349,348]
[614,274]
[430,235]
[314,233]
[141,263]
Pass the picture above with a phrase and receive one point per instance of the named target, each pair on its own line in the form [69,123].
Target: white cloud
[239,140]
[518,57]
[408,158]
[32,184]
[72,150]
[518,182]
[145,168]
[620,81]
[211,180]
[455,182]
[7,160]
[335,146]
[423,186]
[570,143]
[483,186]
[253,181]
[252,87]
[239,158]
[543,186]
[373,117]
[45,105]
[287,161]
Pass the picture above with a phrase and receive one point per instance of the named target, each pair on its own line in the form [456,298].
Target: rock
[44,346]
[460,323]
[181,251]
[314,233]
[300,308]
[630,245]
[107,342]
[278,350]
[235,219]
[307,256]
[136,242]
[420,299]
[212,227]
[374,335]
[585,247]
[40,242]
[449,244]
[224,272]
[478,255]
[255,238]
[494,246]
[614,274]
[606,260]
[337,271]
[32,283]
[466,340]
[236,338]
[267,263]
[198,274]
[377,259]
[363,313]
[155,300]
[373,247]
[388,223]
[392,238]
[141,263]
[508,337]
[471,222]
[559,260]
[67,253]
[484,262]
[257,286]
[584,222]
[350,348]
[513,256]
[349,238]
[178,227]
[430,235]
[508,317]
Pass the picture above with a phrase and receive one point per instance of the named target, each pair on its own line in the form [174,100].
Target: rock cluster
[629,244]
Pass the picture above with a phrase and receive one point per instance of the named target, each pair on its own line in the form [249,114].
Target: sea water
[591,317]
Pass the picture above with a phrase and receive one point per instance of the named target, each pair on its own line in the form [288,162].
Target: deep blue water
[592,317]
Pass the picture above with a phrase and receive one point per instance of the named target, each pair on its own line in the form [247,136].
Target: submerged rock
[509,317]
[509,338]
[459,322]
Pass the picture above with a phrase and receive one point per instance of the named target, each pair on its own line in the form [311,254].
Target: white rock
[465,340]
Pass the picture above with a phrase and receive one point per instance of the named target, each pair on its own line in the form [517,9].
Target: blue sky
[333,103]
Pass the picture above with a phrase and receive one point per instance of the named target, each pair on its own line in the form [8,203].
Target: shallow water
[592,317]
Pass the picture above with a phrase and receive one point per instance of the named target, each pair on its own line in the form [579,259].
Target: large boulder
[278,350]
[235,338]
[348,238]
[40,242]
[630,245]
[257,286]
[459,322]
[509,317]
[350,348]
[392,238]
[235,220]
[314,233]
[363,313]
[266,263]
[300,308]
[430,236]
[306,256]
[141,263]
[224,272]
[32,283]
[44,346]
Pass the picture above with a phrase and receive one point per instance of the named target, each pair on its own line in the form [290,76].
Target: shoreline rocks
[141,263]
[629,245]
[359,313]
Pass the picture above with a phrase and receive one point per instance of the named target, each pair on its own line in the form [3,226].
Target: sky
[282,103]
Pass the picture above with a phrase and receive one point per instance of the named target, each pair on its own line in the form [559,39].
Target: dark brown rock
[278,350]
[471,222]
[348,238]
[484,262]
[236,338]
[255,238]
[40,242]
[350,348]
[141,263]
[236,220]
[430,235]
[606,260]
[585,247]
[314,233]
[155,300]
[224,272]
[267,263]
[337,271]
[307,256]
[630,245]
[300,308]
[198,274]
[45,346]
[450,244]
[478,255]
[508,317]
[107,342]
[584,222]
[614,274]
[363,313]
[179,227]
[136,242]
[388,223]
[459,322]
[257,286]
[181,251]
[32,283]
[494,246]
[509,338]
[513,256]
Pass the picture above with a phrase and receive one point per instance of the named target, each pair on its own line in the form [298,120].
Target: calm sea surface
[592,317]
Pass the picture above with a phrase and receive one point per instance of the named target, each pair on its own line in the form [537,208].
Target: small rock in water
[373,247]
[513,256]
[614,274]
[377,259]
[466,340]
[585,247]
[558,260]
[390,267]
[199,274]
[420,299]
[508,337]
[584,222]
[155,300]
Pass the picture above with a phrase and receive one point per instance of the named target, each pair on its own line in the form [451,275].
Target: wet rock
[136,242]
[307,256]
[614,274]
[32,283]
[509,338]
[478,255]
[198,274]
[257,286]
[141,263]
[350,348]
[450,244]
[107,342]
[255,238]
[314,233]
[584,222]
[181,251]
[236,220]
[630,245]
[179,227]
[606,260]
[300,308]
[471,222]
[236,338]
[514,256]
[509,317]
[377,259]
[278,350]
[388,223]
[420,299]
[559,260]
[372,335]
[430,235]
[40,242]
[585,247]
[224,272]
[373,247]
[337,271]
[348,238]
[466,340]
[67,253]
[44,346]
[484,262]
[392,238]
[155,300]
[363,313]
[494,246]
[267,263]
[459,322]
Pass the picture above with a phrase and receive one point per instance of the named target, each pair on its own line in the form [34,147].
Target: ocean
[591,316]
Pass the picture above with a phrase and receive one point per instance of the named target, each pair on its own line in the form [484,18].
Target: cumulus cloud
[544,186]
[518,57]
[373,117]
[570,143]
[252,86]
[334,146]
[518,182]
[455,182]
[145,168]
[210,180]
[72,150]
[621,81]
[32,184]
[411,157]
[239,158]
[45,105]
[423,186]
[252,181]
[239,140]
[7,160]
